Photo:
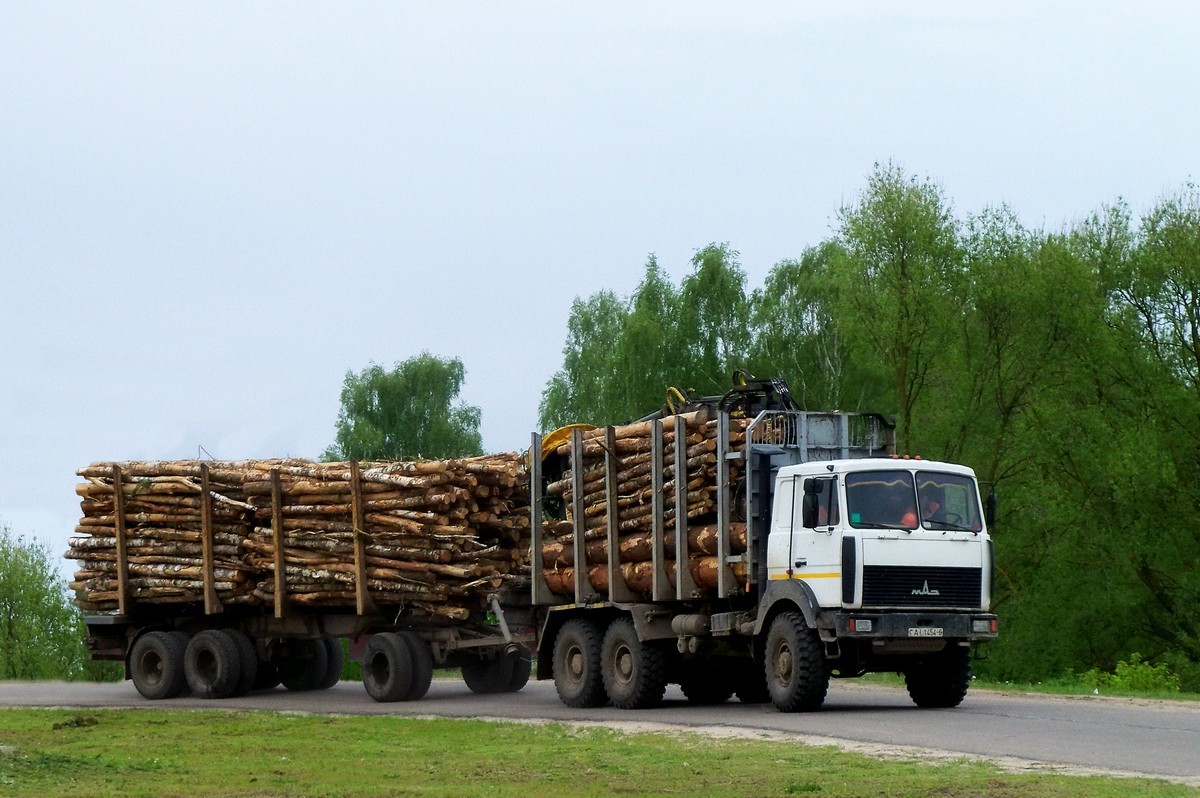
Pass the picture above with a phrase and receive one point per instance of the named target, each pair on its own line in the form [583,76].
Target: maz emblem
[925,591]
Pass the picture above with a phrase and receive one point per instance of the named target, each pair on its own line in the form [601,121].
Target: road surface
[1092,735]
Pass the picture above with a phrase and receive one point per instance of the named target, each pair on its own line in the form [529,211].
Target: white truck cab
[882,533]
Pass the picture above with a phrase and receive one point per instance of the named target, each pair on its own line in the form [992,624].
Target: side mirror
[989,509]
[813,486]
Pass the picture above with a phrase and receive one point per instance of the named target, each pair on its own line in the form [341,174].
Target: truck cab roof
[823,467]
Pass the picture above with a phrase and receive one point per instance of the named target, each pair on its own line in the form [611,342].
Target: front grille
[915,586]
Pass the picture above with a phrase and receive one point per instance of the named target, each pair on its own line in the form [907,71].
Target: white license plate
[924,631]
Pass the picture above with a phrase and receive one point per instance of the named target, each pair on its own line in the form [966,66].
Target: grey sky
[209,212]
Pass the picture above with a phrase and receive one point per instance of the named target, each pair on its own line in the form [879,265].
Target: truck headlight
[983,626]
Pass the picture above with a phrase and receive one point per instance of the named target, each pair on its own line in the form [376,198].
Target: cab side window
[820,503]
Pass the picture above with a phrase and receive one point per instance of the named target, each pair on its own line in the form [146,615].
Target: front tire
[577,677]
[940,681]
[634,672]
[797,677]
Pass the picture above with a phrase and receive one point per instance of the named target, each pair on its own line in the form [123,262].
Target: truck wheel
[303,666]
[750,681]
[797,678]
[635,672]
[522,660]
[707,682]
[488,675]
[422,665]
[212,664]
[940,681]
[577,676]
[335,658]
[156,664]
[248,659]
[387,667]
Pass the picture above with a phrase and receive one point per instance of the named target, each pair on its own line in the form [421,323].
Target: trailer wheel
[422,665]
[488,675]
[248,659]
[303,666]
[577,676]
[387,667]
[156,664]
[335,658]
[635,672]
[212,664]
[797,678]
[522,660]
[940,681]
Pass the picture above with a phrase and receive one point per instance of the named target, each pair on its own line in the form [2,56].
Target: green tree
[795,334]
[41,633]
[897,281]
[650,350]
[587,389]
[714,318]
[406,413]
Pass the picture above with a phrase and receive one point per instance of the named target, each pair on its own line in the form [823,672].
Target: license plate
[924,631]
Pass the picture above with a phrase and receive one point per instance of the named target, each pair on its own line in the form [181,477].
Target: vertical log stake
[211,604]
[583,587]
[685,584]
[277,536]
[363,602]
[122,555]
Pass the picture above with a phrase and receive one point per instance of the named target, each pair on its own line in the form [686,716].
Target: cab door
[805,542]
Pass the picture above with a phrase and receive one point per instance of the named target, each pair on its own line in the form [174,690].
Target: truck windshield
[881,500]
[948,501]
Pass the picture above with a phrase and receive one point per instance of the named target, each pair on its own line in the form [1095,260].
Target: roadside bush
[1134,675]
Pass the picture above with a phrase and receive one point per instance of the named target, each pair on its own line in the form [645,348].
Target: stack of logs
[437,534]
[634,491]
[433,536]
[161,517]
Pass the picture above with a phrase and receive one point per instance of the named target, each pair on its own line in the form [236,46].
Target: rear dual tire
[156,664]
[397,666]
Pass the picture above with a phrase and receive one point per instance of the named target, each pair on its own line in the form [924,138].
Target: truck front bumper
[865,624]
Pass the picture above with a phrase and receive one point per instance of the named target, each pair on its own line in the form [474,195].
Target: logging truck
[738,545]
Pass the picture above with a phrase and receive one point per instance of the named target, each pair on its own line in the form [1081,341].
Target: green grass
[131,753]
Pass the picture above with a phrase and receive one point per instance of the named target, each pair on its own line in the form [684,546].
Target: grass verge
[131,753]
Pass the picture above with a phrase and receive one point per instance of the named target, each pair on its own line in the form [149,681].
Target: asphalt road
[1153,738]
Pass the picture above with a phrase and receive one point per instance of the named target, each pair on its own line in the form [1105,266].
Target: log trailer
[832,557]
[218,645]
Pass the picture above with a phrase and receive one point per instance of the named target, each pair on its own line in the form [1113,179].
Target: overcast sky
[209,212]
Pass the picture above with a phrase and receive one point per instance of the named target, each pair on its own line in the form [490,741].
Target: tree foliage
[406,413]
[41,632]
[1063,366]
